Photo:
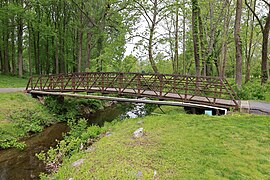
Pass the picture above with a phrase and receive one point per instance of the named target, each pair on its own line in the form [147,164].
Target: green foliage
[71,107]
[149,108]
[31,121]
[21,115]
[252,91]
[7,141]
[24,122]
[78,136]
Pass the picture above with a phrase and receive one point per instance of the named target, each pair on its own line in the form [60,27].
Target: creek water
[24,165]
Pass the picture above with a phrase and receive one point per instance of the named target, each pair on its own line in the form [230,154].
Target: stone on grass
[78,163]
[90,149]
[140,122]
[138,133]
[140,175]
[108,134]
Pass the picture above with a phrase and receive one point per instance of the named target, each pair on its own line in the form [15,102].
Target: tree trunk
[20,46]
[39,71]
[88,53]
[195,23]
[184,39]
[35,49]
[238,45]
[176,67]
[6,67]
[223,57]
[265,31]
[249,46]
[29,49]
[13,50]
[80,41]
[202,43]
[47,56]
[265,73]
[56,56]
[151,36]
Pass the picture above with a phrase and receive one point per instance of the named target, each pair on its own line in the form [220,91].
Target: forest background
[226,38]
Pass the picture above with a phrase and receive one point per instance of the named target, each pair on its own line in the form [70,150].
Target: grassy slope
[179,146]
[19,103]
[12,82]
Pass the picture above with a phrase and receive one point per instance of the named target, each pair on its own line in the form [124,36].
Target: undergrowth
[31,117]
[71,108]
[20,116]
[80,136]
[253,90]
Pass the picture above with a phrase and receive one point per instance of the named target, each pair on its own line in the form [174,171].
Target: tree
[195,32]
[265,31]
[238,45]
[176,57]
[250,42]
[20,42]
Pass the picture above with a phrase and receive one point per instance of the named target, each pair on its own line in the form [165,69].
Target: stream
[23,164]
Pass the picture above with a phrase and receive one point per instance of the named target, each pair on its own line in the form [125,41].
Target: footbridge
[166,89]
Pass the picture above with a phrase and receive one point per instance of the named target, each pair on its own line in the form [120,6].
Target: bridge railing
[206,90]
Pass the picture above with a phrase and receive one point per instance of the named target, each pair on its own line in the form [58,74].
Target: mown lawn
[178,146]
[12,82]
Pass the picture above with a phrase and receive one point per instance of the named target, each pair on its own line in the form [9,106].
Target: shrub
[252,91]
[78,135]
[71,108]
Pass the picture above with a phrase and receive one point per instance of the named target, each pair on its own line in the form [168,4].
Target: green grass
[20,114]
[10,102]
[179,146]
[12,82]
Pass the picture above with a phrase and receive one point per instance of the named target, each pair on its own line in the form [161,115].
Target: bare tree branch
[145,11]
[256,16]
[85,14]
[266,2]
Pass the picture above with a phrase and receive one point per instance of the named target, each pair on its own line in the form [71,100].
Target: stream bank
[23,164]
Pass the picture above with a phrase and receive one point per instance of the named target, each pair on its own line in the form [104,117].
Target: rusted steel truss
[213,91]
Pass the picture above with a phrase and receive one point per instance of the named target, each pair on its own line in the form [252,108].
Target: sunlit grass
[12,82]
[179,146]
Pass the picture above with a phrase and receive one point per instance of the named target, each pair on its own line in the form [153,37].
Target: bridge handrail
[161,85]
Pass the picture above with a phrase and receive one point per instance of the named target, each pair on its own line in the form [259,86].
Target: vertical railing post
[73,82]
[87,81]
[139,84]
[215,93]
[186,87]
[221,87]
[32,83]
[40,82]
[62,82]
[174,83]
[120,82]
[161,84]
[50,82]
[102,82]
